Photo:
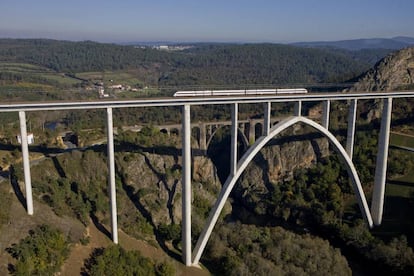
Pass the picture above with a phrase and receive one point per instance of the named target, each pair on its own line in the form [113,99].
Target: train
[242,92]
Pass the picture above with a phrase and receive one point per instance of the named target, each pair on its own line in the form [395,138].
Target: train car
[247,92]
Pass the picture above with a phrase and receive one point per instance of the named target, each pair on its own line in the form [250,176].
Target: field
[38,72]
[24,81]
[400,139]
[113,77]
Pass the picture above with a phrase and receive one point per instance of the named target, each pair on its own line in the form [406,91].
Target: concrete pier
[26,163]
[297,111]
[111,178]
[203,137]
[326,107]
[186,182]
[350,136]
[234,128]
[377,206]
[267,123]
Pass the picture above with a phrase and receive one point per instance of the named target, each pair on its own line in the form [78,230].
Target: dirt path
[402,134]
[79,253]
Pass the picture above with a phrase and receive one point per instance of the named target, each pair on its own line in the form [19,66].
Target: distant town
[165,47]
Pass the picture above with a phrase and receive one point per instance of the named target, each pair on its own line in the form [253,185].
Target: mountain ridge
[395,43]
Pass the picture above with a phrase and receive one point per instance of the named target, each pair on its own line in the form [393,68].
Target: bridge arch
[241,134]
[175,131]
[251,153]
[165,131]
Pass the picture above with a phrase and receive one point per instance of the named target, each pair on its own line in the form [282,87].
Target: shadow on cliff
[16,187]
[135,199]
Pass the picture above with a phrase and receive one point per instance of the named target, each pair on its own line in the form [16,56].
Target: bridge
[372,216]
[249,130]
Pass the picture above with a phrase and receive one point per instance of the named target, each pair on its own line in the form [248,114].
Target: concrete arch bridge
[257,140]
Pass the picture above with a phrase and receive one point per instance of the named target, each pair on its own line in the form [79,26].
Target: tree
[41,253]
[115,260]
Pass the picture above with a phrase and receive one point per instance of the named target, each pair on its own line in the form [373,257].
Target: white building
[30,138]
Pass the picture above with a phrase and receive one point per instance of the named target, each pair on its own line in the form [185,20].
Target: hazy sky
[207,20]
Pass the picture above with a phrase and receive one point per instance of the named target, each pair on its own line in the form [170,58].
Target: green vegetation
[114,260]
[321,200]
[41,253]
[66,65]
[250,250]
[279,65]
[400,139]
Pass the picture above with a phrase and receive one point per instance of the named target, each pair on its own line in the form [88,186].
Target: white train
[249,92]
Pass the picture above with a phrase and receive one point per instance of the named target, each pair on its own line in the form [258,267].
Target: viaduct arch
[204,132]
[244,139]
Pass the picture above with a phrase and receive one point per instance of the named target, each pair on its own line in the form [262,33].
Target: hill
[394,72]
[395,43]
[205,64]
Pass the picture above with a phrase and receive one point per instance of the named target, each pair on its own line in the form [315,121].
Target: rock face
[156,179]
[278,161]
[156,182]
[395,71]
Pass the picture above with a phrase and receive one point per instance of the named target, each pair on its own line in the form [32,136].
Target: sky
[275,21]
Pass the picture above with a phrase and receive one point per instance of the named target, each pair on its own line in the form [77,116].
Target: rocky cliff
[394,72]
[156,182]
[298,148]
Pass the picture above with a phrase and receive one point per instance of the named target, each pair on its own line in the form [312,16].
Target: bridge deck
[172,101]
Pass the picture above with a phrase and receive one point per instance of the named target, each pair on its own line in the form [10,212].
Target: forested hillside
[74,57]
[224,64]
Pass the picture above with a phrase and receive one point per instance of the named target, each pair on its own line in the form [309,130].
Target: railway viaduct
[204,132]
[191,256]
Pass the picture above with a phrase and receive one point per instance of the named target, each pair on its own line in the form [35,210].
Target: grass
[59,78]
[22,68]
[117,77]
[34,71]
[398,139]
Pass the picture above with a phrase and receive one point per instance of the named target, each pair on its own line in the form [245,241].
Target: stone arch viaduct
[372,215]
[203,132]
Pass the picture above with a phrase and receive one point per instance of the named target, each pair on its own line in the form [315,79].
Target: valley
[292,212]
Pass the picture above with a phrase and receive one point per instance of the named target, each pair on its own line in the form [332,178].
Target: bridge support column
[203,137]
[267,123]
[209,132]
[377,206]
[234,127]
[242,128]
[350,137]
[26,163]
[252,132]
[186,182]
[298,108]
[325,113]
[111,169]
